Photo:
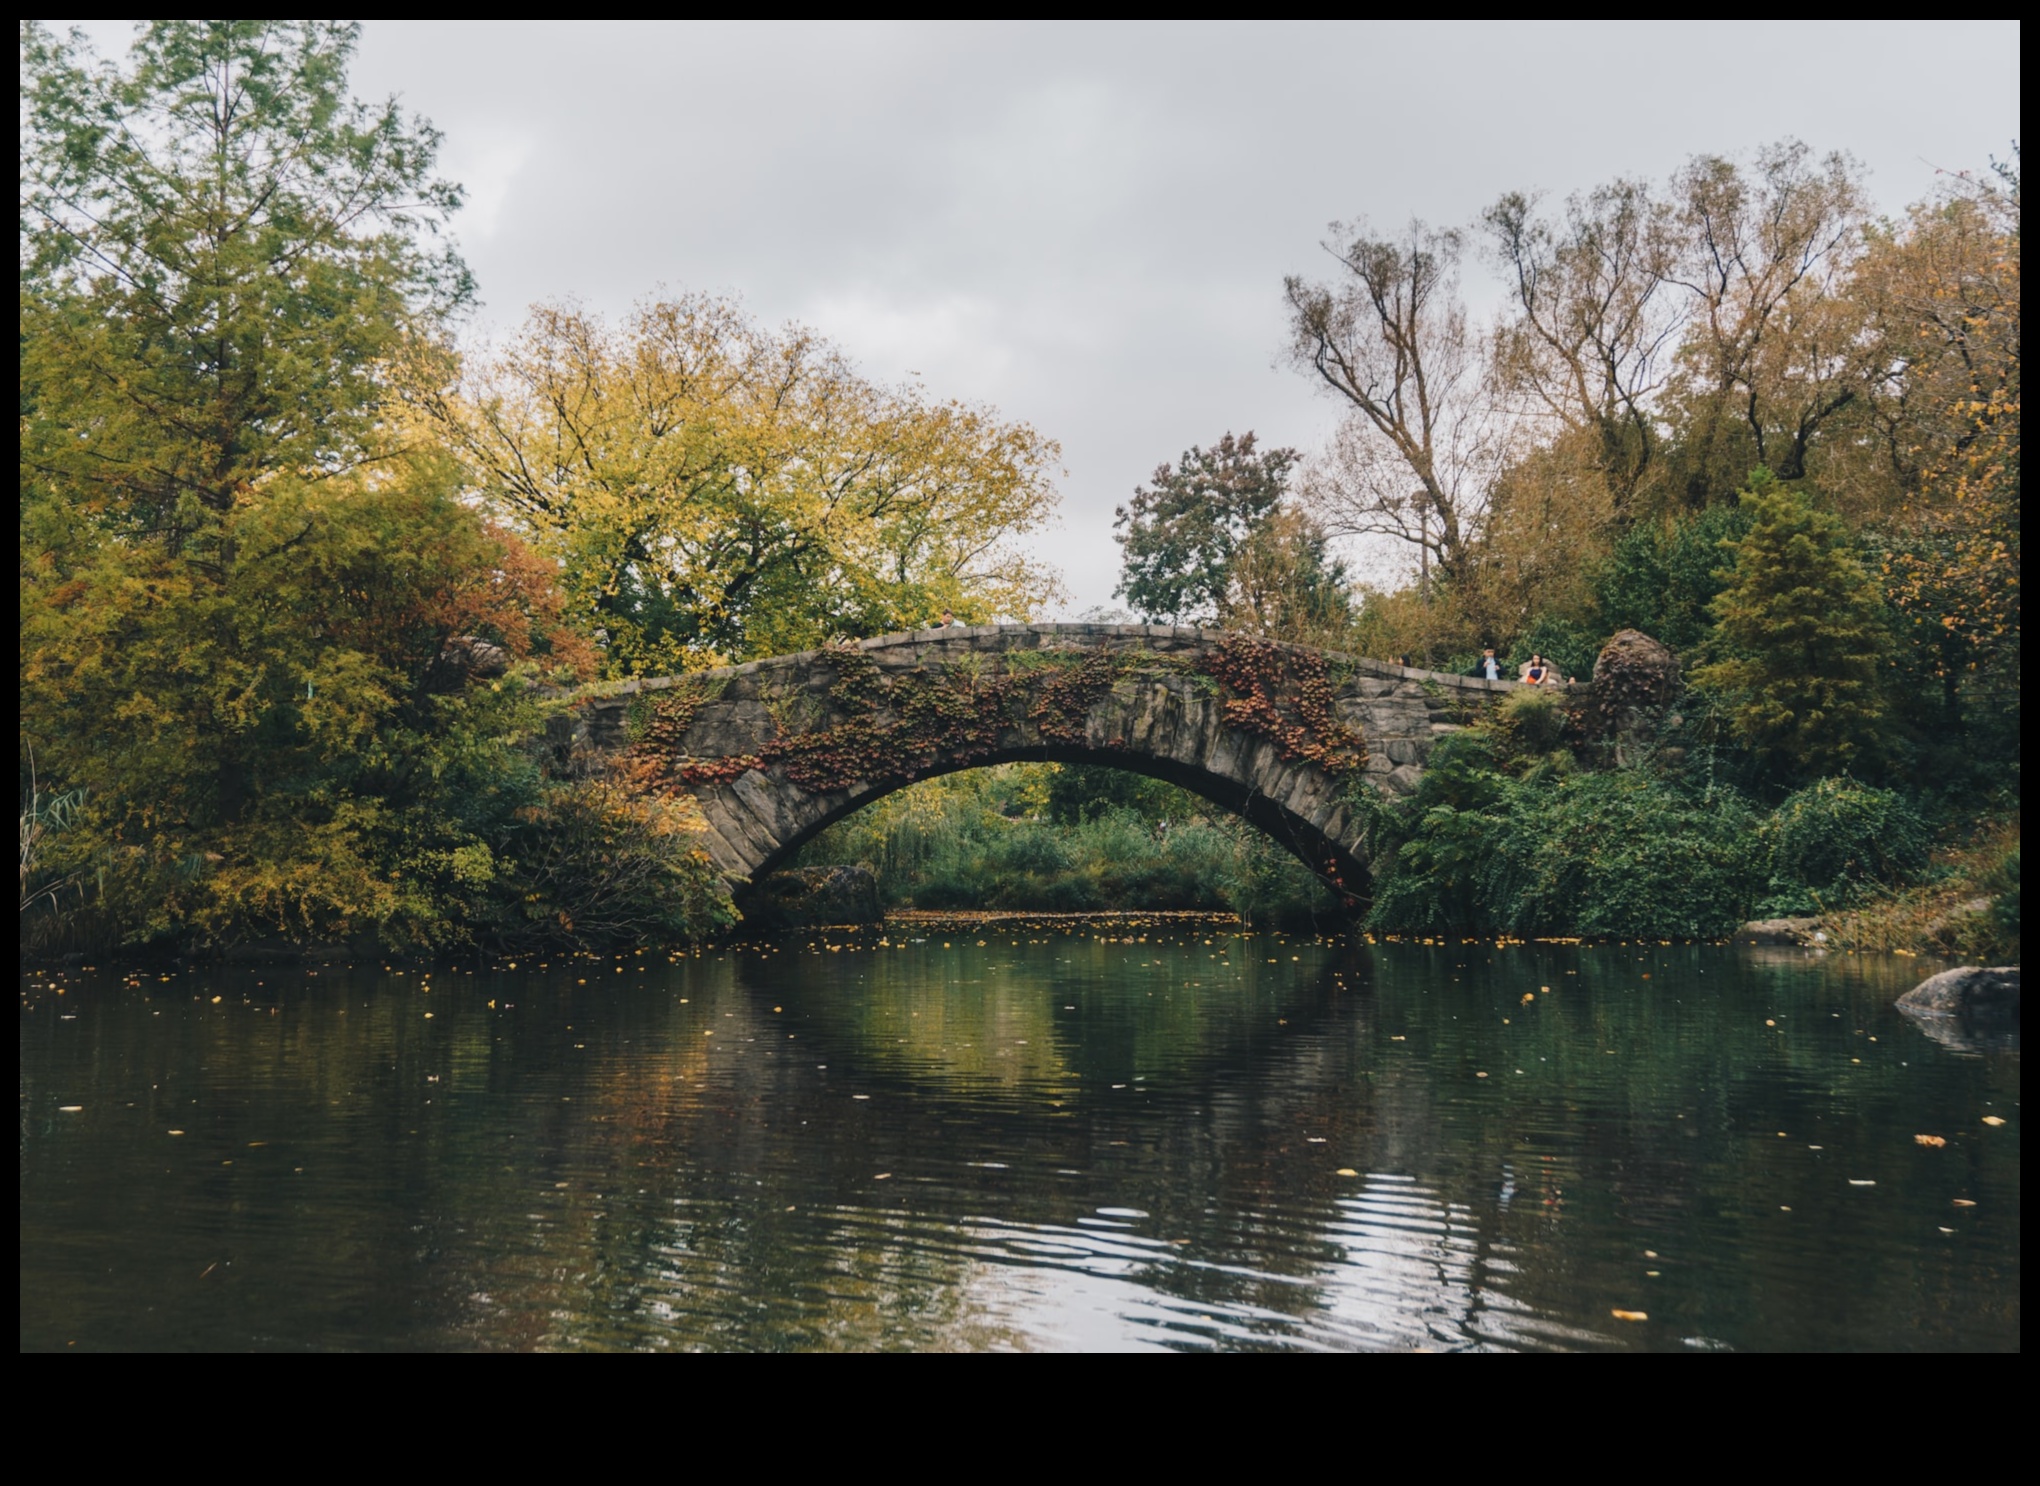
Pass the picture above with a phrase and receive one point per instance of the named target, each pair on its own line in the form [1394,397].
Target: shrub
[1529,723]
[1834,840]
[1621,855]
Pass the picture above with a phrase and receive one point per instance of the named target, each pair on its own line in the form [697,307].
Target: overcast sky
[1087,226]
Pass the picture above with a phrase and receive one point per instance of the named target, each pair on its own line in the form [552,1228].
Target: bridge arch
[777,750]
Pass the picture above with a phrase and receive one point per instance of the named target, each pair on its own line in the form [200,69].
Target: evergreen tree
[1803,637]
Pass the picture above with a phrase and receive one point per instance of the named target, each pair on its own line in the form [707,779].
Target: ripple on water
[1059,1149]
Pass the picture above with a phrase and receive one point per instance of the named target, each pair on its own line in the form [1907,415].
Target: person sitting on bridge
[1539,672]
[1487,666]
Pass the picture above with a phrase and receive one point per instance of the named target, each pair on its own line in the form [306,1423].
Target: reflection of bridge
[778,749]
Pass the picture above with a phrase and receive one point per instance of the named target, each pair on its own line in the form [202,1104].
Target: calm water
[1109,1138]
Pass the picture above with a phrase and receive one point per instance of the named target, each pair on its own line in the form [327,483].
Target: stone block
[1407,750]
[1404,779]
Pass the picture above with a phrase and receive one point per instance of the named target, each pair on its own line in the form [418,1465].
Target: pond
[1135,1135]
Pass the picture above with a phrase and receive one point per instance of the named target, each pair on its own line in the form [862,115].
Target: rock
[804,897]
[1943,929]
[467,658]
[1970,991]
[1779,931]
[1635,679]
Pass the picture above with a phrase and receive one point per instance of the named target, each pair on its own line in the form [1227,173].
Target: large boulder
[1780,931]
[1635,679]
[1972,991]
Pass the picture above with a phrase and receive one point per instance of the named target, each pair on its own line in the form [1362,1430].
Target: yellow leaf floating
[1630,1315]
[1992,1120]
[1936,1141]
[1347,1171]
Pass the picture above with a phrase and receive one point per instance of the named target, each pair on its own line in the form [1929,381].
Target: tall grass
[987,839]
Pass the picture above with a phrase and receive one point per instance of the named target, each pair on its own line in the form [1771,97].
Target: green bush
[1621,855]
[1530,723]
[1835,840]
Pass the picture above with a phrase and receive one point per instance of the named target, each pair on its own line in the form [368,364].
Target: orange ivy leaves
[1301,723]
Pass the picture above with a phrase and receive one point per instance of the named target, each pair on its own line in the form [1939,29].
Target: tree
[1805,636]
[1424,437]
[221,253]
[1179,536]
[1775,347]
[715,490]
[252,612]
[1595,325]
[1284,583]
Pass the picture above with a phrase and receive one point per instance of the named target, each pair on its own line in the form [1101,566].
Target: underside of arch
[1324,855]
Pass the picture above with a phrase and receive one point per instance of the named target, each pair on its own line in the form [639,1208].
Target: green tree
[1804,635]
[1178,537]
[252,613]
[1283,582]
[716,490]
[221,255]
[1663,577]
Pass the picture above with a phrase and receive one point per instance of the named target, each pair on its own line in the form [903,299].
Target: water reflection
[1043,1139]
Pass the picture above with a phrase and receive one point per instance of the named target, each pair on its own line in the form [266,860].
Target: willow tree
[715,490]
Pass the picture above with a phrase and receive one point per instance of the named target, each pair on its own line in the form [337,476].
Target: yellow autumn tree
[715,490]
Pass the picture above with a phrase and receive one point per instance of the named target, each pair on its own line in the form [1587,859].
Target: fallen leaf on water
[1769,1023]
[1346,1171]
[70,1109]
[1528,998]
[176,1132]
[1630,1315]
[1398,1038]
[1964,1202]
[1480,1075]
[1992,1120]
[1859,1182]
[883,1176]
[1932,1140]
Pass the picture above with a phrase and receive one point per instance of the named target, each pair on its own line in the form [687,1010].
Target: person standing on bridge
[947,621]
[1487,666]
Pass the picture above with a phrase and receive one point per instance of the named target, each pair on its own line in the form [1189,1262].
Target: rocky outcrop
[1972,992]
[1779,931]
[1635,680]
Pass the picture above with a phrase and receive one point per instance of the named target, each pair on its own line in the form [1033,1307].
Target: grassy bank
[1966,909]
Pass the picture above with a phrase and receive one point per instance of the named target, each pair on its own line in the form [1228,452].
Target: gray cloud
[1088,225]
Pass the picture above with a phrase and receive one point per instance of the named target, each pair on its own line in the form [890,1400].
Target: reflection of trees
[582,1165]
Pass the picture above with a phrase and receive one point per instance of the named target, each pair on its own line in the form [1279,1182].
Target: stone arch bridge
[776,750]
